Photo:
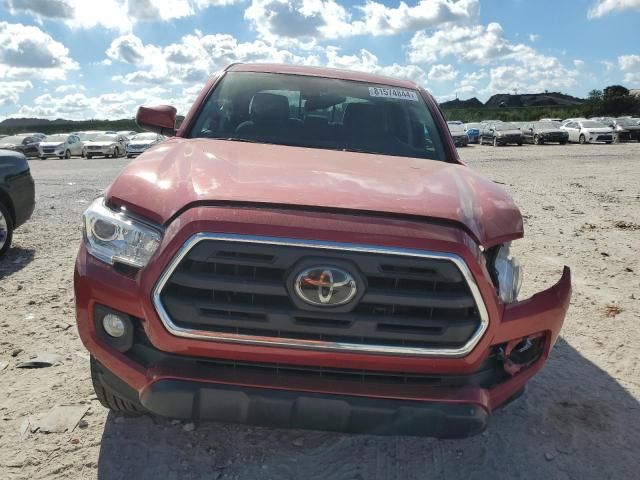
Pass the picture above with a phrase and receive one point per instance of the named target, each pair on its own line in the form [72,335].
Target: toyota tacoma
[308,251]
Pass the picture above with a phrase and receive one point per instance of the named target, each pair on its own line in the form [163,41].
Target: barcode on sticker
[397,93]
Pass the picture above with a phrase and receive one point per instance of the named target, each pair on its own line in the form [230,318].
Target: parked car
[17,195]
[577,119]
[127,133]
[500,133]
[626,130]
[141,142]
[105,145]
[459,136]
[26,145]
[588,131]
[39,136]
[544,132]
[473,132]
[269,267]
[61,145]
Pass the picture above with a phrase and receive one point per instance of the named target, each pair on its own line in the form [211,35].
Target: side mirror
[157,118]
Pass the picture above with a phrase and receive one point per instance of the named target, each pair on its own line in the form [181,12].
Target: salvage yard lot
[579,418]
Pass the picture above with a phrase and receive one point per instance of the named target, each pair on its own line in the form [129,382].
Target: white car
[61,145]
[141,142]
[588,131]
[127,133]
[105,145]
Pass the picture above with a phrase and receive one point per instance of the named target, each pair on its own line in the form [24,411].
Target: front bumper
[47,154]
[100,152]
[176,387]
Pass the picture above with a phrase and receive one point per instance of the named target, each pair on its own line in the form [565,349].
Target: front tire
[88,157]
[116,153]
[67,154]
[6,229]
[111,399]
[582,139]
[536,140]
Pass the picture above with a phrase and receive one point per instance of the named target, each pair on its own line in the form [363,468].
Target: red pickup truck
[308,251]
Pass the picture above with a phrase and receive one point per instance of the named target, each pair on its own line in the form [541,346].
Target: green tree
[615,91]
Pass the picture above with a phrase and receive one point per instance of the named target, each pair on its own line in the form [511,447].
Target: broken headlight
[114,237]
[506,273]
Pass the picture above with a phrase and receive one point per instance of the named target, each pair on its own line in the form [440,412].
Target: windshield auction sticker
[397,93]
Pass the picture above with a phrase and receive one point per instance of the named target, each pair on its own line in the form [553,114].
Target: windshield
[543,125]
[625,122]
[144,136]
[505,126]
[13,140]
[104,138]
[477,126]
[592,124]
[318,112]
[56,138]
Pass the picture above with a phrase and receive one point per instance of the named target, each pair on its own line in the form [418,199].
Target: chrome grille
[234,288]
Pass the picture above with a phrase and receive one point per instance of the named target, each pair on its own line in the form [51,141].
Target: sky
[82,59]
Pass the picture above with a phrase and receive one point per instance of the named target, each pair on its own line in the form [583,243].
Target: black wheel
[42,158]
[520,143]
[116,153]
[563,142]
[582,140]
[88,156]
[6,229]
[84,153]
[123,401]
[128,156]
[608,143]
[67,154]
[536,140]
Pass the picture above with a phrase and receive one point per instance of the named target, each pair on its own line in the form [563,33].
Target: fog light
[519,354]
[114,325]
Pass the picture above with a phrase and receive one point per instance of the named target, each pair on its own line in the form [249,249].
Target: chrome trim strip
[316,344]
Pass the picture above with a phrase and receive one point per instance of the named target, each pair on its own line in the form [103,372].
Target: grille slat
[241,289]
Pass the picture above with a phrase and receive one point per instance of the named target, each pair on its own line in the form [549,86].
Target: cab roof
[322,72]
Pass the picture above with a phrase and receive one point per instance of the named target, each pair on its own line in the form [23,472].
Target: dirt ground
[579,419]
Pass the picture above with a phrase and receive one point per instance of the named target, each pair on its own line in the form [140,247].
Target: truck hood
[180,171]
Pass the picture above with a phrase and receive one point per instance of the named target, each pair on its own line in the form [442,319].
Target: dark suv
[17,195]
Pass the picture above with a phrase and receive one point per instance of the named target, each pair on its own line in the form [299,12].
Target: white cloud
[378,19]
[52,9]
[118,15]
[630,65]
[79,106]
[605,7]
[10,91]
[27,50]
[159,9]
[578,63]
[607,64]
[533,37]
[194,58]
[442,73]
[514,65]
[366,61]
[279,20]
[70,88]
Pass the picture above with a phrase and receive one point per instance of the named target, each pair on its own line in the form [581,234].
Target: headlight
[115,237]
[506,274]
[498,134]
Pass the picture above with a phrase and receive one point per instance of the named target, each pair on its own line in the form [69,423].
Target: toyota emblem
[325,286]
